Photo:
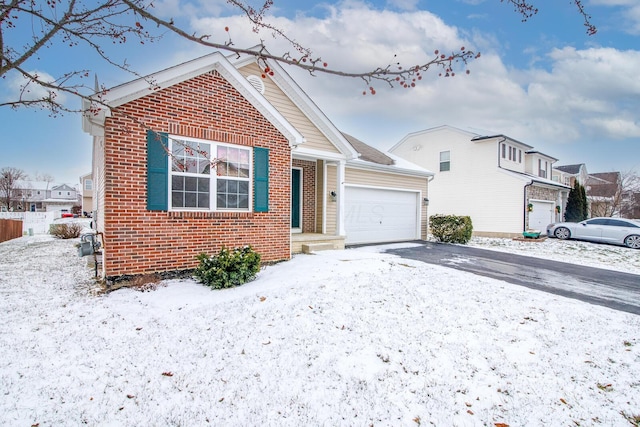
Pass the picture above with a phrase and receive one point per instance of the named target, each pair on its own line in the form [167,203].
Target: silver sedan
[616,231]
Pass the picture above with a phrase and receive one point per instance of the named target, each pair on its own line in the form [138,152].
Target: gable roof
[603,190]
[127,92]
[43,186]
[603,184]
[570,169]
[300,99]
[407,137]
[473,136]
[515,141]
[540,153]
[609,177]
[368,153]
[375,160]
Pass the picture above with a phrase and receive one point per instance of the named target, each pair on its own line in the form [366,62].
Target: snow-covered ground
[584,253]
[338,338]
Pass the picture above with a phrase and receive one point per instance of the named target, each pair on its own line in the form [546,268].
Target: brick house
[211,153]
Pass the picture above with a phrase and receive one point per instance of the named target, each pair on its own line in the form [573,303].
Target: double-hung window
[232,187]
[209,176]
[445,161]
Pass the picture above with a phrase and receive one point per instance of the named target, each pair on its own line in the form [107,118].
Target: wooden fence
[10,229]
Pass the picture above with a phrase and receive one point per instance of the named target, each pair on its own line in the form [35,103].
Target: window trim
[213,176]
[447,162]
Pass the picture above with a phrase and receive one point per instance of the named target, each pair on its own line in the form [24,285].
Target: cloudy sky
[544,82]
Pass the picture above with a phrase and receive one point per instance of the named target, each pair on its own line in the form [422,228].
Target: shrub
[451,228]
[229,268]
[65,231]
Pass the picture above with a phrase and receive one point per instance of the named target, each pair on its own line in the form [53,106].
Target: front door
[296,199]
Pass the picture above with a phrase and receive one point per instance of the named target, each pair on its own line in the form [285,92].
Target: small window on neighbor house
[519,156]
[504,151]
[88,184]
[542,171]
[445,161]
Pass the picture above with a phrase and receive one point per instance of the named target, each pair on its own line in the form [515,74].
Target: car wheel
[632,241]
[562,233]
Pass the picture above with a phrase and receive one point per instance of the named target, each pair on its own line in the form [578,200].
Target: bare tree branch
[528,10]
[10,178]
[96,24]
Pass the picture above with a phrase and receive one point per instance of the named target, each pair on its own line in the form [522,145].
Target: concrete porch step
[307,248]
[310,242]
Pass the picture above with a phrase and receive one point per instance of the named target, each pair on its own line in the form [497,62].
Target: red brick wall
[308,194]
[138,241]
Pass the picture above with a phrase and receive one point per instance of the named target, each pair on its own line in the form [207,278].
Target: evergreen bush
[451,228]
[577,206]
[228,268]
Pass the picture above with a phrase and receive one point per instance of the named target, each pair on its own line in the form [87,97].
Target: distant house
[42,196]
[604,194]
[504,185]
[572,172]
[220,153]
[86,183]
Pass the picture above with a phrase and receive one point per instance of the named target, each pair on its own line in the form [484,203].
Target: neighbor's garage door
[379,215]
[541,215]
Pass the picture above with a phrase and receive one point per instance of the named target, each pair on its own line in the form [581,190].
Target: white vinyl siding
[445,161]
[315,140]
[332,185]
[492,196]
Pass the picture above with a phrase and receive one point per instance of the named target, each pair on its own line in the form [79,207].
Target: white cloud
[583,96]
[629,19]
[615,127]
[22,88]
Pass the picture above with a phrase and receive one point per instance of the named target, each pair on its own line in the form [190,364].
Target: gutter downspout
[429,179]
[504,138]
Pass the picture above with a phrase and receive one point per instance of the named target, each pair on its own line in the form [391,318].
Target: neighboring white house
[42,196]
[573,172]
[504,185]
[561,176]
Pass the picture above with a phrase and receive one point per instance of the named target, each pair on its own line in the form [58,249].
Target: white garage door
[379,215]
[541,215]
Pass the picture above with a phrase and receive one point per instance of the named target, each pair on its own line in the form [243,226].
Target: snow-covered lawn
[339,338]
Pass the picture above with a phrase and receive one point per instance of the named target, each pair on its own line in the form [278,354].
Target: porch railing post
[340,231]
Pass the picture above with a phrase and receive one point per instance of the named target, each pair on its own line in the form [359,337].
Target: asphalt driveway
[616,290]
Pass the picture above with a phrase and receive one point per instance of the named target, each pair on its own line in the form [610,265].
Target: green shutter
[260,179]
[157,171]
